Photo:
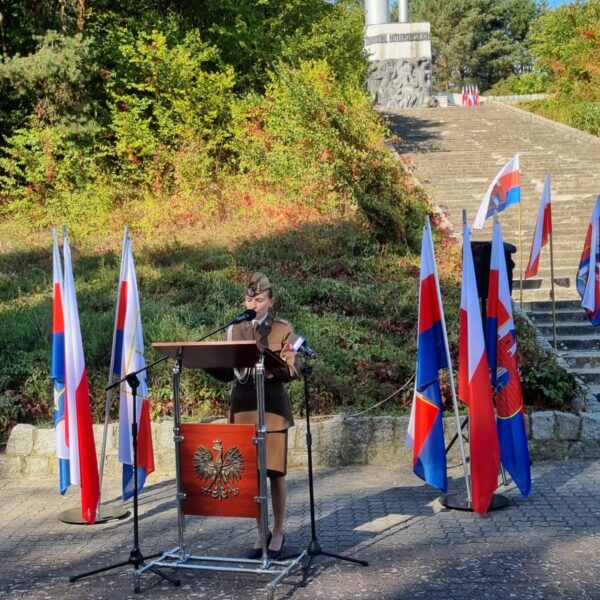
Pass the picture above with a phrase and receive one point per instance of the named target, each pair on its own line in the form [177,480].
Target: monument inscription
[384,38]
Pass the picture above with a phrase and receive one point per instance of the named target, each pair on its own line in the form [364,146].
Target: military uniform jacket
[274,334]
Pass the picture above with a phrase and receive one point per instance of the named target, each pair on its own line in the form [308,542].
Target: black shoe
[275,554]
[256,553]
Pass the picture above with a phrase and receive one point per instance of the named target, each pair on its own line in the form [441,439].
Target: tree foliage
[477,41]
[566,44]
[566,41]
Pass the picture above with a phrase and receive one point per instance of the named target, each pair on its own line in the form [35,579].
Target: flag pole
[552,292]
[520,259]
[451,374]
[502,471]
[109,393]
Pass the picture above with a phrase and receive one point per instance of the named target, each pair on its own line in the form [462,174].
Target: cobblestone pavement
[545,547]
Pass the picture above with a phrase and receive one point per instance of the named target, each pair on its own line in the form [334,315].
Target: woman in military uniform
[273,333]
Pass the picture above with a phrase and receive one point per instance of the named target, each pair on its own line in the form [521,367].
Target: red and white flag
[80,434]
[474,388]
[543,229]
[129,358]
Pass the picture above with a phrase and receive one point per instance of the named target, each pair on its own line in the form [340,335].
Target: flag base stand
[72,516]
[461,502]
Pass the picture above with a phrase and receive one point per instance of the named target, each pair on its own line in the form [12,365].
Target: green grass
[570,111]
[353,299]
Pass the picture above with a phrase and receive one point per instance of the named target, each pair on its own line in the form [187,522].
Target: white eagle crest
[219,471]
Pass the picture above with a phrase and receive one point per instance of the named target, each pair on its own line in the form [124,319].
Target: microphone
[247,315]
[299,344]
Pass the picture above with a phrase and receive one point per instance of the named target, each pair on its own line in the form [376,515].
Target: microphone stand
[314,548]
[136,558]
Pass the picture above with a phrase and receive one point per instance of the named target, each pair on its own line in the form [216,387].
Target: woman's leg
[278,500]
[258,542]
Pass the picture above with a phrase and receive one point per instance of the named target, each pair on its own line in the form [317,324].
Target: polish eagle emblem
[219,471]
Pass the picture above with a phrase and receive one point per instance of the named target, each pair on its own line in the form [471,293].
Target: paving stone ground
[544,547]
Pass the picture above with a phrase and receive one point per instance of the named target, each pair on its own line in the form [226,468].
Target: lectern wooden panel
[219,470]
[211,355]
[220,356]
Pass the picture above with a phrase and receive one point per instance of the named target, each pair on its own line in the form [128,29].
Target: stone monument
[399,56]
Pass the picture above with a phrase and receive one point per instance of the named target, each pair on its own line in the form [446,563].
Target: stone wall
[400,83]
[337,441]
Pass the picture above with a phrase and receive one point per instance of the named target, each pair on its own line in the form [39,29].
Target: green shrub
[162,98]
[338,38]
[570,111]
[535,82]
[49,178]
[11,412]
[566,42]
[321,137]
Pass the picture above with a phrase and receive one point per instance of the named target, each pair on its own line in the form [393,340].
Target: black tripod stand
[314,548]
[136,558]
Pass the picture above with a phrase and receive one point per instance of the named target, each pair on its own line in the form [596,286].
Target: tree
[476,41]
[566,41]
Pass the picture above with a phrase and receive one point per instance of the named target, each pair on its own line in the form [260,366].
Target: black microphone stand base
[137,560]
[314,547]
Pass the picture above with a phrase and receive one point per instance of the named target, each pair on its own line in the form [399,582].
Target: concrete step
[579,342]
[543,295]
[542,307]
[569,328]
[582,360]
[560,281]
[588,375]
[457,153]
[594,388]
[545,319]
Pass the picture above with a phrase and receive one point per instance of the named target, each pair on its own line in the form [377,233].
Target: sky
[551,3]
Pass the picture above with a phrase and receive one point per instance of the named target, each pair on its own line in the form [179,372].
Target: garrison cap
[258,283]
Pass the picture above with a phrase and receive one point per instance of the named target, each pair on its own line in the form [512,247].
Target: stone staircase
[577,341]
[457,152]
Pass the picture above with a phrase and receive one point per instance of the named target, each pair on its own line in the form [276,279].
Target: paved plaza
[545,547]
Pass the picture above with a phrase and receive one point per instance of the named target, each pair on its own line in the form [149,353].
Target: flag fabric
[463,98]
[128,358]
[477,97]
[501,345]
[474,389]
[80,434]
[426,426]
[57,369]
[543,229]
[504,190]
[589,287]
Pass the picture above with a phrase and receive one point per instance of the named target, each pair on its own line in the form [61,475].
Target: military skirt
[278,419]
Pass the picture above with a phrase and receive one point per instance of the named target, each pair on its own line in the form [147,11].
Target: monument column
[377,12]
[399,55]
